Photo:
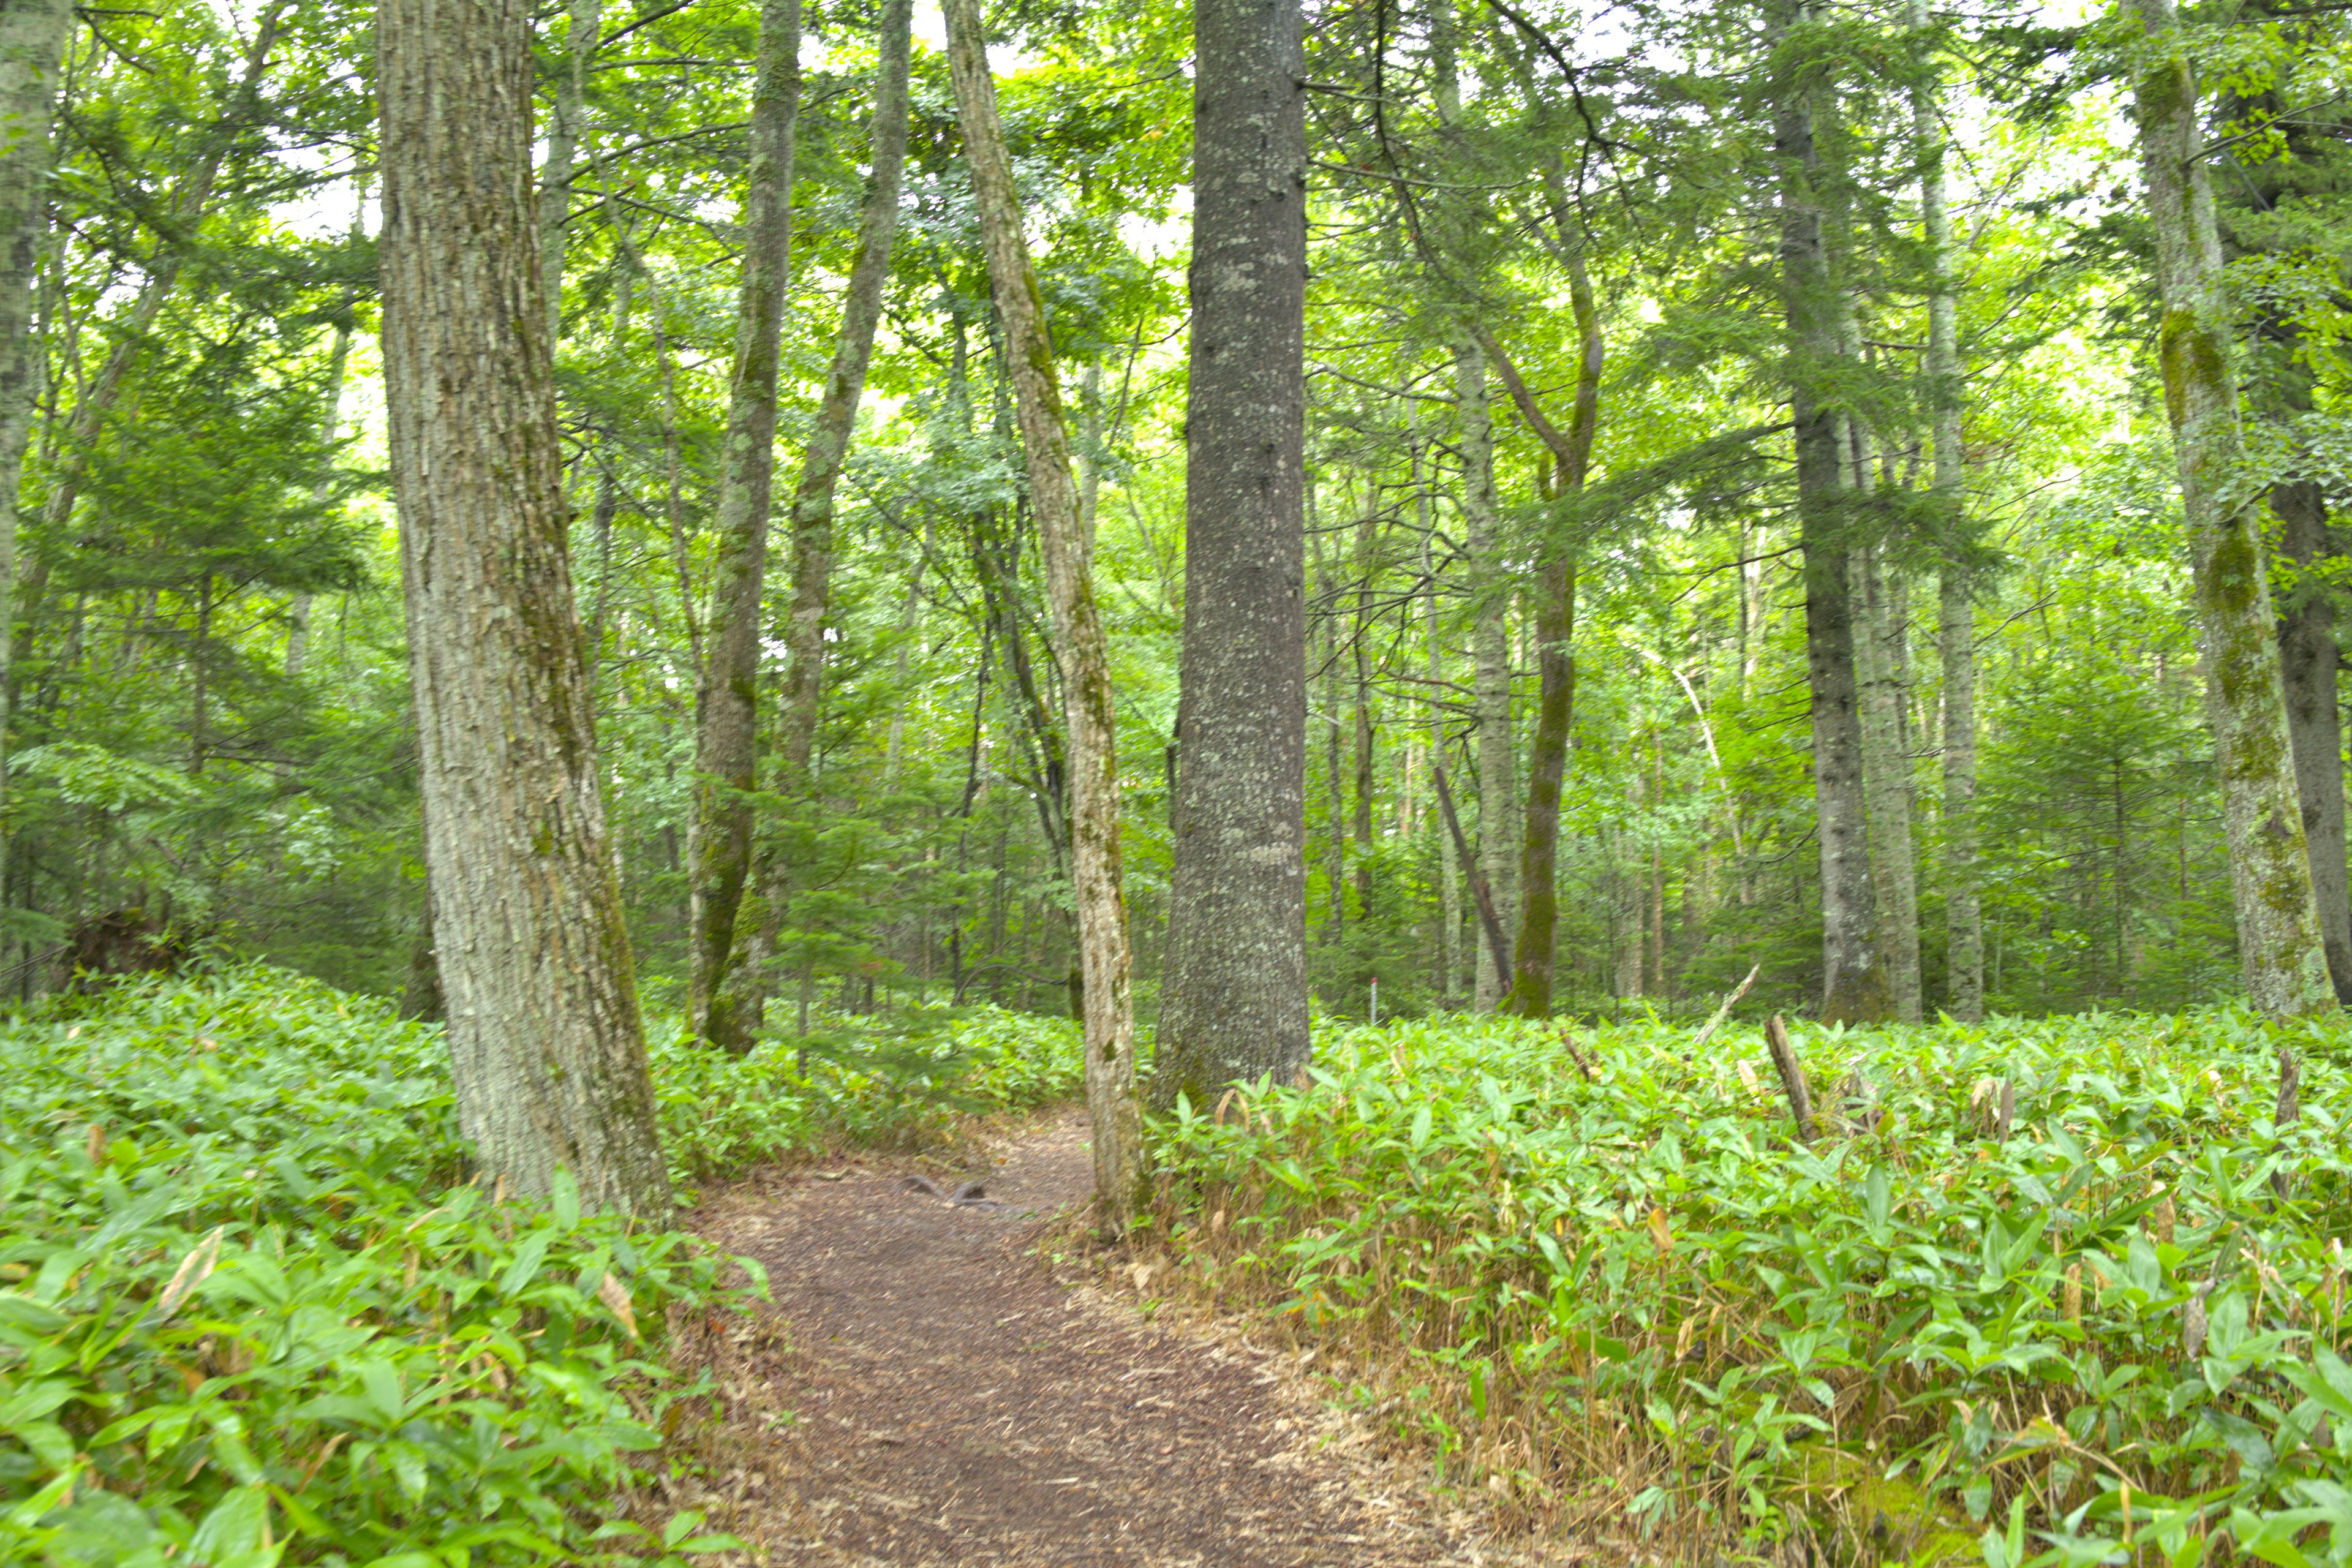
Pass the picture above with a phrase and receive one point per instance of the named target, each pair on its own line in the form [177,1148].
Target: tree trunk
[2308,661]
[1233,1004]
[727,706]
[567,117]
[32,48]
[298,612]
[1365,724]
[1531,978]
[800,707]
[1490,650]
[1120,1181]
[1956,633]
[1886,781]
[2279,943]
[544,1034]
[1853,981]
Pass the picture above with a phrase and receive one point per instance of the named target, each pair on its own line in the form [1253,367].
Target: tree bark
[1490,650]
[726,709]
[1886,781]
[2307,664]
[32,49]
[1853,981]
[1233,1004]
[1531,979]
[2279,943]
[1120,1182]
[544,1034]
[1956,632]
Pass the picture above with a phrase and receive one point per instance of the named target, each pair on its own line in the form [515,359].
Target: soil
[961,1396]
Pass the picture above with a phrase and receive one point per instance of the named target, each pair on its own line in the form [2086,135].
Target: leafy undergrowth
[251,1314]
[910,1078]
[2100,1326]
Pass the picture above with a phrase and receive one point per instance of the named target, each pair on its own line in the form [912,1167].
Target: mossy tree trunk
[1233,1001]
[2280,948]
[1532,956]
[727,701]
[544,1034]
[2308,658]
[1081,648]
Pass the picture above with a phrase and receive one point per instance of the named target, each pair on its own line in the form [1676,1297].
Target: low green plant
[250,1314]
[2053,1292]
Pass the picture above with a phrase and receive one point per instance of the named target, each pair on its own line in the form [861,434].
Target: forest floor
[960,1394]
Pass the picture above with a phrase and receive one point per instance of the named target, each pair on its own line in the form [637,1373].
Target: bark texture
[1531,976]
[32,46]
[545,1033]
[1886,777]
[2307,664]
[2279,944]
[1490,653]
[1084,652]
[1956,632]
[727,731]
[1233,1004]
[1853,981]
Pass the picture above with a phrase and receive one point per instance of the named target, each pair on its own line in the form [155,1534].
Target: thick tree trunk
[544,1034]
[2279,943]
[1083,653]
[1531,977]
[1956,632]
[1853,981]
[32,46]
[1490,650]
[1233,1004]
[1886,781]
[2307,663]
[565,121]
[726,705]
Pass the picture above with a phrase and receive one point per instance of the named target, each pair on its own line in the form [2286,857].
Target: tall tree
[726,703]
[2279,944]
[1490,654]
[32,46]
[1853,981]
[544,1035]
[1083,652]
[1554,617]
[811,517]
[1233,1001]
[1956,631]
[565,122]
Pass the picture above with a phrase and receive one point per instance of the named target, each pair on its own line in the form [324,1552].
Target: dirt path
[957,1405]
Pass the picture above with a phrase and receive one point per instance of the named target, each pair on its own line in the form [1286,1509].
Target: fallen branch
[1724,1010]
[1792,1076]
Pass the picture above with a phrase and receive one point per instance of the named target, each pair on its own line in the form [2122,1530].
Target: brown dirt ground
[957,1398]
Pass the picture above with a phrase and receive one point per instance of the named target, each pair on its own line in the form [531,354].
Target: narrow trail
[957,1404]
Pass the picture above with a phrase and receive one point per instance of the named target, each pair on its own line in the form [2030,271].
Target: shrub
[2105,1321]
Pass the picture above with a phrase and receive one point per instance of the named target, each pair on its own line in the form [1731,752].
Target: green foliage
[900,1079]
[251,1313]
[1637,1288]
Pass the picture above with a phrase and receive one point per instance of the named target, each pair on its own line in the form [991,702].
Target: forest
[1613,727]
